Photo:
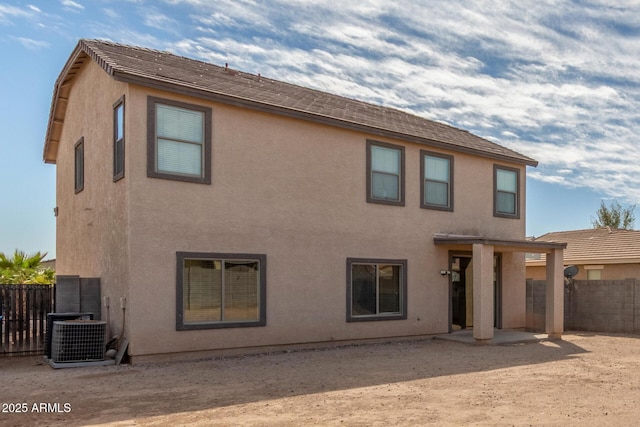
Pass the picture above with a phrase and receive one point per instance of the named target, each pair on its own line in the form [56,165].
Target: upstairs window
[437,181]
[118,139]
[179,145]
[506,192]
[385,173]
[79,165]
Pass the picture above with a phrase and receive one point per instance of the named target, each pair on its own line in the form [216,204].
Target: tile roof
[167,71]
[597,245]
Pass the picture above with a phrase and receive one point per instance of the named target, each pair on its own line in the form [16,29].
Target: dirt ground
[585,379]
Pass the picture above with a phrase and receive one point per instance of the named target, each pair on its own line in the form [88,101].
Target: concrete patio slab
[500,337]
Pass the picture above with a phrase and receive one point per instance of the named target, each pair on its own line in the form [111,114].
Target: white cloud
[32,44]
[155,19]
[110,12]
[70,4]
[8,13]
[557,81]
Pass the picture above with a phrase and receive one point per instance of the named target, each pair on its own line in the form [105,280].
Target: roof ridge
[592,229]
[407,114]
[196,77]
[258,75]
[112,43]
[593,232]
[98,55]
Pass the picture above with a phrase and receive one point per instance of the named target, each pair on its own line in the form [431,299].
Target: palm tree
[24,268]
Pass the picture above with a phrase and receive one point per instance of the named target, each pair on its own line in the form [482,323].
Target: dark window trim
[181,256]
[423,202]
[118,154]
[516,215]
[498,288]
[78,157]
[370,198]
[403,287]
[151,141]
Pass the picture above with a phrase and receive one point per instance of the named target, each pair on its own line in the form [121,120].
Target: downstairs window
[376,289]
[220,290]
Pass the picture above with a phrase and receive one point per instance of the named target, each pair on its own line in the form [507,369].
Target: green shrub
[23,268]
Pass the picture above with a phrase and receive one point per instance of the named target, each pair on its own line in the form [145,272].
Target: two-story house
[225,210]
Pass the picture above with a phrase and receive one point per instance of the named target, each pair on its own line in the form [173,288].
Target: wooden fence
[24,311]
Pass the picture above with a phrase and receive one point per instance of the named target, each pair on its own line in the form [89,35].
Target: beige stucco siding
[92,225]
[295,191]
[514,292]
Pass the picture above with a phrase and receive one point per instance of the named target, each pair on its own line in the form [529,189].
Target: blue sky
[558,81]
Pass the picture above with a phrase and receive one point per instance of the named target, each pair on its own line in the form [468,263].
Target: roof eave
[507,244]
[81,53]
[598,261]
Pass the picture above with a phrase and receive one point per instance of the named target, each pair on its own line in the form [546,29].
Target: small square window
[594,274]
[179,141]
[385,173]
[437,181]
[220,290]
[118,139]
[506,192]
[79,165]
[376,289]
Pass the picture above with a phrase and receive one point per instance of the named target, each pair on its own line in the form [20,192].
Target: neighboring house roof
[595,246]
[163,70]
[49,263]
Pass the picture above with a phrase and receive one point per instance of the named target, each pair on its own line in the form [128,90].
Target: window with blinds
[506,192]
[385,173]
[437,181]
[179,141]
[219,290]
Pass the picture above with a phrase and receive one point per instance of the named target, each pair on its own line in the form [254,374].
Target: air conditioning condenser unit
[78,341]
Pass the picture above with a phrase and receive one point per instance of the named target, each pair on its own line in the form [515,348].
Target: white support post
[483,293]
[554,316]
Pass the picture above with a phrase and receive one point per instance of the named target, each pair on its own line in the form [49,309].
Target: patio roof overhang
[483,250]
[460,241]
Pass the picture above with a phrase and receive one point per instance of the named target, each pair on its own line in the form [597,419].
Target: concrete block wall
[590,305]
[636,307]
[536,303]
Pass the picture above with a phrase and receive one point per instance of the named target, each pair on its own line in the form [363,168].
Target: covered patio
[483,250]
